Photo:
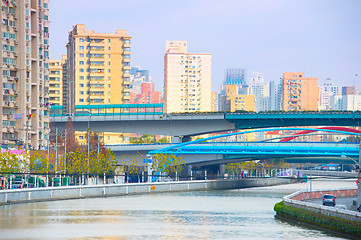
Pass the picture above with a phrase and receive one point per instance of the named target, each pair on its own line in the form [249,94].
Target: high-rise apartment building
[187,79]
[56,81]
[300,93]
[24,112]
[98,67]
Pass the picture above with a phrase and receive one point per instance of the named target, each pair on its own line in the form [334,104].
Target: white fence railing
[332,211]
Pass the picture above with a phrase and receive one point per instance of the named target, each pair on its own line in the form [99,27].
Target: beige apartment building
[187,79]
[235,101]
[98,67]
[24,112]
[56,73]
[300,93]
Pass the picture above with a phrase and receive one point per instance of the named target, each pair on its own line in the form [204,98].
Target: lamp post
[359,177]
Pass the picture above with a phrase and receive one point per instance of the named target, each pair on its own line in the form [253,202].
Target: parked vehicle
[329,200]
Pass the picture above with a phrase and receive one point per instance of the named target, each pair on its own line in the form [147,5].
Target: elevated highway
[192,124]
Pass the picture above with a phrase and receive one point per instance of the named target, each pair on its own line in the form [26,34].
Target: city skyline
[272,37]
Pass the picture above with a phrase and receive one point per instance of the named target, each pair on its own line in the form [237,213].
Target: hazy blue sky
[320,37]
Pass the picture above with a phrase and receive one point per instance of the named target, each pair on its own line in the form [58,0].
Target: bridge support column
[186,139]
[176,139]
[222,170]
[149,170]
[189,172]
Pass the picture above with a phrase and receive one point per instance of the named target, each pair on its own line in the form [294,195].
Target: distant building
[147,95]
[137,77]
[275,96]
[56,77]
[214,106]
[300,93]
[235,76]
[345,102]
[187,79]
[233,101]
[348,91]
[326,91]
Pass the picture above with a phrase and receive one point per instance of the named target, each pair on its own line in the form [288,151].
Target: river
[230,214]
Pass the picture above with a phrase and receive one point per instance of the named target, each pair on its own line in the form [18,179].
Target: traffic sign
[358,182]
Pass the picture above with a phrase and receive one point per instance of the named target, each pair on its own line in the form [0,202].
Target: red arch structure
[342,129]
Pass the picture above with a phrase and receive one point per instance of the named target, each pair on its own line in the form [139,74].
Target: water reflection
[235,214]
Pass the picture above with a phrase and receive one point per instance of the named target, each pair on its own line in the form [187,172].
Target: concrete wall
[74,192]
[295,200]
[330,173]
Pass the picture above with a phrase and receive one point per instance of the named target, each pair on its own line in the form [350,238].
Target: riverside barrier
[330,173]
[76,192]
[297,200]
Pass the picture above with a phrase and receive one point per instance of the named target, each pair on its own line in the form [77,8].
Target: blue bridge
[204,152]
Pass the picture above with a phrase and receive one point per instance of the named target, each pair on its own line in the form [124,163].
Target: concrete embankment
[294,207]
[76,192]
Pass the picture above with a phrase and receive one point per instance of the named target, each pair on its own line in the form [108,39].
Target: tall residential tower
[187,79]
[300,93]
[24,111]
[98,67]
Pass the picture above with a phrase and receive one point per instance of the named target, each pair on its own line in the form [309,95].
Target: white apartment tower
[24,60]
[187,79]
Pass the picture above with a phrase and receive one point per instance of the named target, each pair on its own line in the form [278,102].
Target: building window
[81,55]
[81,47]
[81,85]
[81,40]
[81,100]
[81,62]
[81,69]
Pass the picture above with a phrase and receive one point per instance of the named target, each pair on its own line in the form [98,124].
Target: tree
[71,144]
[13,162]
[40,162]
[167,163]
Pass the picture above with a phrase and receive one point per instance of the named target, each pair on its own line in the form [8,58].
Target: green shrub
[330,222]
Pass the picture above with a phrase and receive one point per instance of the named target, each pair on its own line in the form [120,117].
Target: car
[328,200]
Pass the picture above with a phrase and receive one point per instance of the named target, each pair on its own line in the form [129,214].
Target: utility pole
[56,150]
[87,169]
[47,164]
[359,177]
[98,161]
[65,153]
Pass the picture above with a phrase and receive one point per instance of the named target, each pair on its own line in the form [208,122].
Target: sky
[319,37]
